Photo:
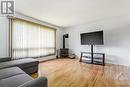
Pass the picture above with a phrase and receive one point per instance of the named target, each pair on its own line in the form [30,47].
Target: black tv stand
[100,59]
[92,53]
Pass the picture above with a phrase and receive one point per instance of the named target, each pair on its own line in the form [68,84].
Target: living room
[65,43]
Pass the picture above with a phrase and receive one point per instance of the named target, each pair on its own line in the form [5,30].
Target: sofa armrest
[39,82]
[5,59]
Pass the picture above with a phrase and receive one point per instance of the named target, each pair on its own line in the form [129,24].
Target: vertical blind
[32,40]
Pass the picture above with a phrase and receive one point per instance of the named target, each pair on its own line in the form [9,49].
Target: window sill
[45,58]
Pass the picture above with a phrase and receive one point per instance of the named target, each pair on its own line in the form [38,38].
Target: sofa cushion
[5,59]
[38,82]
[8,72]
[15,81]
[22,63]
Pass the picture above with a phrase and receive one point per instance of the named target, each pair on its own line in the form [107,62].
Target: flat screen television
[92,38]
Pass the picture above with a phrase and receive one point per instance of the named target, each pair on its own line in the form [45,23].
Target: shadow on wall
[72,52]
[111,58]
[115,37]
[116,45]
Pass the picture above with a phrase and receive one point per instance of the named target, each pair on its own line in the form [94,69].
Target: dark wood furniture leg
[103,59]
[81,57]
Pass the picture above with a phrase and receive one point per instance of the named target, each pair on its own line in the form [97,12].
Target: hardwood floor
[72,73]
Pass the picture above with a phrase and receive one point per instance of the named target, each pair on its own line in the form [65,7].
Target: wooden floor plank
[72,73]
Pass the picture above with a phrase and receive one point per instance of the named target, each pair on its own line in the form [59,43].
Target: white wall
[4,51]
[116,38]
[4,33]
[129,39]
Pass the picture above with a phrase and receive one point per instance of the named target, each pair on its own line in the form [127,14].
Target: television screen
[92,38]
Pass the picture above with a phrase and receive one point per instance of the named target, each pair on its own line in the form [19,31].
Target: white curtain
[32,40]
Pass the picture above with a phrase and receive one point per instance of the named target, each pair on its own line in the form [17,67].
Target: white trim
[28,18]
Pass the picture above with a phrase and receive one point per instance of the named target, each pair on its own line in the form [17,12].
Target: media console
[92,39]
[95,58]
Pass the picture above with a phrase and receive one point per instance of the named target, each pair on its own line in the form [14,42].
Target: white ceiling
[67,13]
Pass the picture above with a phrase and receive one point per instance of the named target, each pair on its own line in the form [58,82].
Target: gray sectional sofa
[28,65]
[14,73]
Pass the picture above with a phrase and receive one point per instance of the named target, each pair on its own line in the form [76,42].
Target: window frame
[11,36]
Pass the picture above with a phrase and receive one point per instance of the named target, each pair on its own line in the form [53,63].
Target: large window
[31,40]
